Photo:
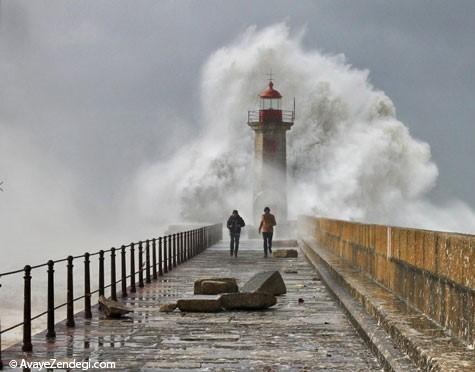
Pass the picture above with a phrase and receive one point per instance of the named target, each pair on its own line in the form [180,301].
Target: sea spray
[348,154]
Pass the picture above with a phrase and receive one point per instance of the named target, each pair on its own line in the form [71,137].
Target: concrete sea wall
[432,271]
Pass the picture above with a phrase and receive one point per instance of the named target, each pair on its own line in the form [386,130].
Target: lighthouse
[270,124]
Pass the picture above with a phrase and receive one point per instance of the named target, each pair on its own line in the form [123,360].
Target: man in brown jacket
[267,228]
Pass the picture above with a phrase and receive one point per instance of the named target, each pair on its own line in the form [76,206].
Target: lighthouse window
[270,103]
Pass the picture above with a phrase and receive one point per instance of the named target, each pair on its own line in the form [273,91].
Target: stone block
[420,297]
[113,309]
[285,253]
[266,281]
[392,274]
[380,268]
[469,274]
[248,301]
[381,237]
[437,300]
[167,308]
[200,305]
[398,283]
[214,287]
[468,266]
[441,250]
[418,249]
[198,289]
[395,251]
[403,244]
[411,247]
[454,256]
[429,252]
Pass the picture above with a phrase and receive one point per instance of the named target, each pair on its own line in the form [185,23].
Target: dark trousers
[234,245]
[267,241]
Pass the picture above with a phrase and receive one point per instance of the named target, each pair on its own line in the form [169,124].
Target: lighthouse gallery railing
[288,116]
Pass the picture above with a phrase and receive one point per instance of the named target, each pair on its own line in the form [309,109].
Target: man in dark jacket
[235,222]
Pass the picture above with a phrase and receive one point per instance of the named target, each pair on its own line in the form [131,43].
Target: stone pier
[291,336]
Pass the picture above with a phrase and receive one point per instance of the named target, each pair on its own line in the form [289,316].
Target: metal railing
[288,116]
[167,252]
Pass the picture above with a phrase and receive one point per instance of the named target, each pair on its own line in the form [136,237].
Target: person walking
[235,223]
[267,228]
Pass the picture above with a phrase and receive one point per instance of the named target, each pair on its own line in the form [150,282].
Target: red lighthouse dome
[270,92]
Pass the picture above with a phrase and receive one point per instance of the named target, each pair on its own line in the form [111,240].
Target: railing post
[182,248]
[190,251]
[179,252]
[101,273]
[188,233]
[70,294]
[147,262]
[197,239]
[113,276]
[141,285]
[193,245]
[1,362]
[27,346]
[123,271]
[178,249]
[187,253]
[50,334]
[191,242]
[132,268]
[160,268]
[197,250]
[165,255]
[200,237]
[185,245]
[154,258]
[174,249]
[87,287]
[170,257]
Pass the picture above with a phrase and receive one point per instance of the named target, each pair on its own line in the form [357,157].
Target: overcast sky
[102,87]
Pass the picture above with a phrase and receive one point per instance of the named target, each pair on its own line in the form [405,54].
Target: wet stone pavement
[311,336]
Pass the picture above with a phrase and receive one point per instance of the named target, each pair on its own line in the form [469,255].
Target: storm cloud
[94,92]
